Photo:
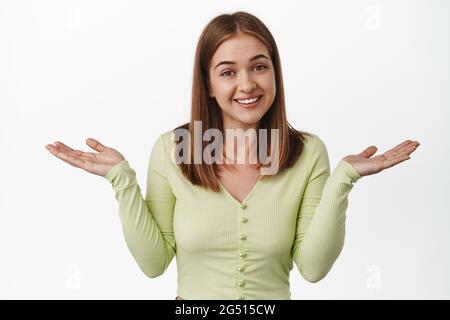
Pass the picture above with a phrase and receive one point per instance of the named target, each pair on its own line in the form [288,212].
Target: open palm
[99,163]
[365,165]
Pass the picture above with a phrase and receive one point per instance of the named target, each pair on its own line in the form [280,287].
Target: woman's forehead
[241,47]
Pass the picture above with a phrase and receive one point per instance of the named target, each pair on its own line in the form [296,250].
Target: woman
[235,231]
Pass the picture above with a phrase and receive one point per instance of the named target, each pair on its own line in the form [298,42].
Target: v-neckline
[247,197]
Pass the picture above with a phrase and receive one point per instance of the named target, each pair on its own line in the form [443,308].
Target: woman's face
[242,69]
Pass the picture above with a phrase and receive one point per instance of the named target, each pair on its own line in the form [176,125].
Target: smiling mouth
[248,102]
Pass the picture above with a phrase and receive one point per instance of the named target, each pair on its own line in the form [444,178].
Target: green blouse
[226,249]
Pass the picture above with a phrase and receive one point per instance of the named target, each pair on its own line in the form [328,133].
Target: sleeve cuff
[347,171]
[119,169]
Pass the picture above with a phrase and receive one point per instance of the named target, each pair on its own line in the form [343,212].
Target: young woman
[235,231]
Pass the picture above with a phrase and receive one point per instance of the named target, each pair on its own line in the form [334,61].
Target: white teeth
[248,101]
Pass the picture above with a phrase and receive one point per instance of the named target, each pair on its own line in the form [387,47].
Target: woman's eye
[261,66]
[226,73]
[229,73]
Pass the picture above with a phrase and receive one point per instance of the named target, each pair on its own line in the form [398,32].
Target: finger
[63,155]
[407,149]
[68,149]
[75,153]
[396,148]
[94,144]
[73,161]
[60,144]
[411,149]
[53,150]
[368,152]
[388,163]
[400,147]
[85,156]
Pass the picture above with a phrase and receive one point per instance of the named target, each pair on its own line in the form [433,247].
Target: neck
[234,145]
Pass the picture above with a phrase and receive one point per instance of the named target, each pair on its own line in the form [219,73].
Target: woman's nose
[246,83]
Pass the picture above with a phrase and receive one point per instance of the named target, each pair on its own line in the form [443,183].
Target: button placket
[240,283]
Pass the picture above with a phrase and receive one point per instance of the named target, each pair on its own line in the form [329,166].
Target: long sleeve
[146,223]
[320,229]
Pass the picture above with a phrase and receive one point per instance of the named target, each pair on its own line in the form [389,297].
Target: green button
[244,220]
[243,206]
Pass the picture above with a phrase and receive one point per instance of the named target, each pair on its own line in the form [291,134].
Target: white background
[356,73]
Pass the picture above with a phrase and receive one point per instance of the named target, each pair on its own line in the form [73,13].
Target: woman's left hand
[365,165]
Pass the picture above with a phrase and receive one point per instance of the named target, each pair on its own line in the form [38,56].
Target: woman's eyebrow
[232,62]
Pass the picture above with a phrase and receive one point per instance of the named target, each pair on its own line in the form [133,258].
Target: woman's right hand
[99,163]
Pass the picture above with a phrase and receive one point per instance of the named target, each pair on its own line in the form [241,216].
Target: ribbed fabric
[297,215]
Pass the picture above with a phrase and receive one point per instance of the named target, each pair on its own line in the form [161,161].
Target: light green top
[230,250]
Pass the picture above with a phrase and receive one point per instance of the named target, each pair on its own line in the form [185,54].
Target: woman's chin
[242,120]
[248,122]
